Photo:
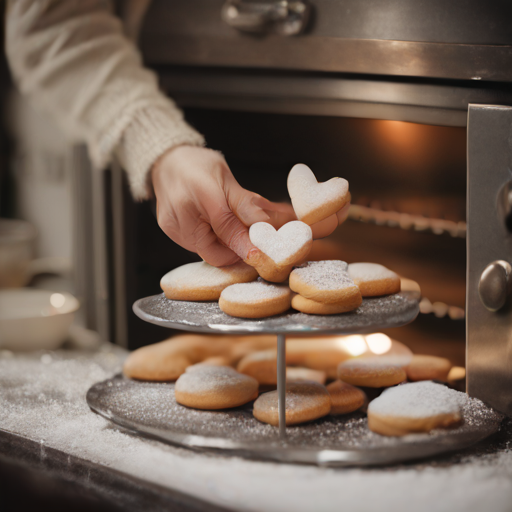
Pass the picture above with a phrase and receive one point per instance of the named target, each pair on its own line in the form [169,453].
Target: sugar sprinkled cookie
[312,307]
[305,401]
[215,387]
[374,371]
[283,248]
[201,281]
[345,398]
[325,281]
[313,201]
[415,407]
[374,279]
[424,367]
[168,359]
[262,365]
[255,300]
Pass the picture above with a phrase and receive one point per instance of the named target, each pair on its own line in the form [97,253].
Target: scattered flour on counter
[45,402]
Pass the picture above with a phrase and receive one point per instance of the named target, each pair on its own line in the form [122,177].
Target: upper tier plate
[374,314]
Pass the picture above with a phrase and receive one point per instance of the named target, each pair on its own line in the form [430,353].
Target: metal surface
[488,333]
[495,285]
[439,39]
[285,17]
[149,408]
[281,383]
[374,314]
[329,95]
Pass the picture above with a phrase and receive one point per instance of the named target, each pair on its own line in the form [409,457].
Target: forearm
[72,59]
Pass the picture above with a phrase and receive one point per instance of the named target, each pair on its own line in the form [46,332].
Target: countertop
[46,424]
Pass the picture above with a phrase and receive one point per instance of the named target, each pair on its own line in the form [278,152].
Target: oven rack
[407,221]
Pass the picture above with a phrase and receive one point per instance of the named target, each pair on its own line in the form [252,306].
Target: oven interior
[408,186]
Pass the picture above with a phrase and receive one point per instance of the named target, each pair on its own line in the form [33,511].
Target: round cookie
[214,387]
[415,407]
[167,360]
[322,353]
[262,366]
[312,307]
[298,374]
[255,300]
[374,279]
[345,398]
[313,201]
[305,401]
[373,371]
[428,368]
[283,248]
[325,281]
[201,281]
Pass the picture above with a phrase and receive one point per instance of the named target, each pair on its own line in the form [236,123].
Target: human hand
[201,206]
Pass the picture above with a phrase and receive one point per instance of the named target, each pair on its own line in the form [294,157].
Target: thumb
[246,205]
[231,231]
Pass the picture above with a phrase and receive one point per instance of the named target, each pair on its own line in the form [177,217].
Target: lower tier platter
[150,409]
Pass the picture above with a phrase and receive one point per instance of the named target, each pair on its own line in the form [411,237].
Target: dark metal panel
[300,93]
[435,21]
[488,333]
[434,39]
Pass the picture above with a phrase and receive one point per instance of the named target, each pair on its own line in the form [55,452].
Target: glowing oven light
[355,345]
[57,300]
[378,343]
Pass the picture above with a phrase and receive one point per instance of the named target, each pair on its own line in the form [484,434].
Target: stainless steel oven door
[489,254]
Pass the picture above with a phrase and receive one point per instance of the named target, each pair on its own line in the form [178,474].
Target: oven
[409,101]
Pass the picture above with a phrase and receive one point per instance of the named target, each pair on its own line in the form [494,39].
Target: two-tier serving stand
[151,410]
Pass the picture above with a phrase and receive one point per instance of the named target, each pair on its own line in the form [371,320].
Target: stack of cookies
[323,377]
[322,288]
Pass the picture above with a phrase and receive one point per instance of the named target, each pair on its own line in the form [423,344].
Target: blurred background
[66,229]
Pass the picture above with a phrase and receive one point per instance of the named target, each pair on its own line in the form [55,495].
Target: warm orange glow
[355,345]
[379,343]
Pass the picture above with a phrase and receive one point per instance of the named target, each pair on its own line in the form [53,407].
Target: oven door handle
[284,17]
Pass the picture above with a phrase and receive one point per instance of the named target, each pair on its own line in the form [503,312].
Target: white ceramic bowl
[33,319]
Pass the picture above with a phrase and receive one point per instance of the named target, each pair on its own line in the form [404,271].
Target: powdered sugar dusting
[307,194]
[257,291]
[363,272]
[418,400]
[203,275]
[280,245]
[300,396]
[211,379]
[325,275]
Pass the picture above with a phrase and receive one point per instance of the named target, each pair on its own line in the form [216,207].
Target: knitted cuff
[153,131]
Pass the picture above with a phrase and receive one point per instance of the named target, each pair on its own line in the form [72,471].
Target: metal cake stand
[374,314]
[150,409]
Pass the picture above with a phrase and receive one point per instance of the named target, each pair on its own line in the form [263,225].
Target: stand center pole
[281,383]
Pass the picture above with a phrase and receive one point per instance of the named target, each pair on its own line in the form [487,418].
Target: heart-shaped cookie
[313,201]
[281,248]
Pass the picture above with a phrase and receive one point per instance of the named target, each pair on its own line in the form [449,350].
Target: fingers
[327,226]
[245,204]
[279,217]
[343,214]
[208,246]
[231,231]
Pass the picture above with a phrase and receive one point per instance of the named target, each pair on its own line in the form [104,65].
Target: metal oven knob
[285,17]
[495,285]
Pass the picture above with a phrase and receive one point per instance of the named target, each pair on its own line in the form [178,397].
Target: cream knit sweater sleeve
[72,59]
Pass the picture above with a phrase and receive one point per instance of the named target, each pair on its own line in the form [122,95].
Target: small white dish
[33,319]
